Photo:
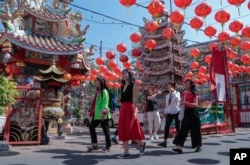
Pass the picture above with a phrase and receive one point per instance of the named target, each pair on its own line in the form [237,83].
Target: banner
[218,80]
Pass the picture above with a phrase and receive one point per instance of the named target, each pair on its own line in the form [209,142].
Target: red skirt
[129,128]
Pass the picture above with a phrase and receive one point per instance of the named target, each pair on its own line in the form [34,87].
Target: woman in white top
[171,112]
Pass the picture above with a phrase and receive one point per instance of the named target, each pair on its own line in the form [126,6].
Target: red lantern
[248,5]
[222,17]
[127,3]
[235,41]
[248,69]
[112,64]
[103,69]
[121,48]
[182,3]
[110,55]
[135,37]
[245,45]
[233,55]
[194,52]
[210,31]
[123,58]
[177,17]
[151,26]
[138,64]
[203,10]
[156,8]
[150,44]
[126,65]
[236,3]
[196,81]
[213,46]
[194,65]
[200,75]
[99,61]
[67,76]
[202,69]
[136,52]
[235,26]
[245,32]
[196,23]
[245,58]
[94,72]
[168,33]
[208,59]
[138,82]
[223,36]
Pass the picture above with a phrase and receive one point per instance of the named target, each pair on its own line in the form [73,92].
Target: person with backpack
[100,113]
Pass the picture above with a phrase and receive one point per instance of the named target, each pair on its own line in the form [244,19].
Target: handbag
[182,109]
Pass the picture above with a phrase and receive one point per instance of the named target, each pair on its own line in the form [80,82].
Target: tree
[8,92]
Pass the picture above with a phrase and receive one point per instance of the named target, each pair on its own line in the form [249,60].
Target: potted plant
[8,92]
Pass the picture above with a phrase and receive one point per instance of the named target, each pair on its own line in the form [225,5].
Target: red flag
[218,74]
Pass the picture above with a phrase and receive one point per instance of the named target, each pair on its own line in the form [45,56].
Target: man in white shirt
[172,109]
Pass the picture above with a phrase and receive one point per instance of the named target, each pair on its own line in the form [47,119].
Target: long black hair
[131,77]
[103,84]
[193,87]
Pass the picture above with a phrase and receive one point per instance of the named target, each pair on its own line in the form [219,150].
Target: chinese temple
[41,47]
[161,58]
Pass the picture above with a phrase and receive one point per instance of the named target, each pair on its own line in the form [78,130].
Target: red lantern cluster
[177,17]
[151,26]
[235,26]
[99,61]
[182,3]
[167,33]
[136,52]
[194,52]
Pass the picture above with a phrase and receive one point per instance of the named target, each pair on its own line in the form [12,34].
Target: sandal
[93,148]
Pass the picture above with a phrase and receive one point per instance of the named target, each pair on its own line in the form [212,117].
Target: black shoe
[114,140]
[177,150]
[124,156]
[198,149]
[142,148]
[162,144]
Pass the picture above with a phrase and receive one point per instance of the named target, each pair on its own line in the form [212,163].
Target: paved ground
[72,151]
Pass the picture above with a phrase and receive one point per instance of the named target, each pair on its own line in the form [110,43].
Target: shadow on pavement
[203,161]
[8,153]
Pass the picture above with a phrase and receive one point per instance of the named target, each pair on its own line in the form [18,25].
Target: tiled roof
[45,15]
[43,44]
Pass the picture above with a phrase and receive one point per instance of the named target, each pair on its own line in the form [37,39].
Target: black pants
[105,128]
[116,132]
[191,122]
[169,119]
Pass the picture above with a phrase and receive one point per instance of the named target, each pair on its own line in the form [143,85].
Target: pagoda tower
[163,63]
[38,31]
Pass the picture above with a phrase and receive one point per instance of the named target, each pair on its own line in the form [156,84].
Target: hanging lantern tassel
[128,13]
[222,26]
[221,2]
[204,18]
[238,10]
[94,1]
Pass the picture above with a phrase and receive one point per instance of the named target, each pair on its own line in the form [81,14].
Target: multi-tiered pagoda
[163,63]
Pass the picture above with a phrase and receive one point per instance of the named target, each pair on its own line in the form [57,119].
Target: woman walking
[129,124]
[171,112]
[100,114]
[153,114]
[191,120]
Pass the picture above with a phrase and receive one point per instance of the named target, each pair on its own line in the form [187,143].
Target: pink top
[189,97]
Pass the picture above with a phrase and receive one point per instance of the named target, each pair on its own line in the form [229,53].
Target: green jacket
[102,102]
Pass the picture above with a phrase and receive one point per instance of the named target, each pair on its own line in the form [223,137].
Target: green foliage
[8,92]
[77,113]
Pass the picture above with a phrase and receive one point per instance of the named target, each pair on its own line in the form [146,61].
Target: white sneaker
[156,137]
[151,138]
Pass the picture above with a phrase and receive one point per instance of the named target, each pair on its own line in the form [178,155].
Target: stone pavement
[71,150]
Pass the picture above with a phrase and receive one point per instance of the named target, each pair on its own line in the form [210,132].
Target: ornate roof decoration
[43,44]
[52,69]
[61,80]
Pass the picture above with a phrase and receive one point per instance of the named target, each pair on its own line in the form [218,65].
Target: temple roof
[45,15]
[42,44]
[52,69]
[61,80]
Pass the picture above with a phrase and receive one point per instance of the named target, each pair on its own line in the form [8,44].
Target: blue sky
[112,32]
